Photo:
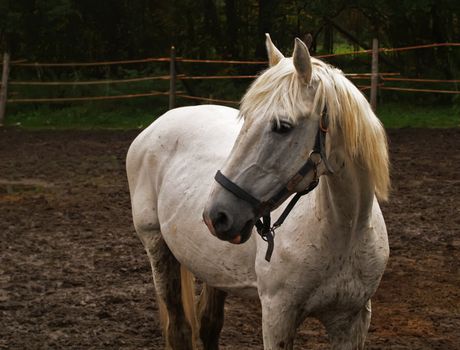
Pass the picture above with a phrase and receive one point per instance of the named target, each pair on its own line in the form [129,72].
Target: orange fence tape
[414,47]
[344,54]
[166,77]
[419,90]
[422,80]
[367,76]
[208,99]
[205,77]
[92,82]
[394,49]
[77,99]
[383,76]
[90,64]
[17,61]
[131,80]
[190,60]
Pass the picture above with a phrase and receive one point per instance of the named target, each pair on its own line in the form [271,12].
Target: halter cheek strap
[263,209]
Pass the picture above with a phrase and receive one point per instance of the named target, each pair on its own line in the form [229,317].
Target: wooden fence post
[4,86]
[172,78]
[375,74]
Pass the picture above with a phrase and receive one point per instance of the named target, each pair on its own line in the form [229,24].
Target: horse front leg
[280,319]
[348,331]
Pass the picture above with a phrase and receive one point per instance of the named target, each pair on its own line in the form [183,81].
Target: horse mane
[279,93]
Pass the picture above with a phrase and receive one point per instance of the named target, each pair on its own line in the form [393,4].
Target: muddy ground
[73,275]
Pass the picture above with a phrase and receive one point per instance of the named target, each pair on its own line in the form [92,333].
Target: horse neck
[346,199]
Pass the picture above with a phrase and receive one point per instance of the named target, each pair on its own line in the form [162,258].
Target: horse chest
[349,281]
[346,284]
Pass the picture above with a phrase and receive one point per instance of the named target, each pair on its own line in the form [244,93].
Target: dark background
[88,30]
[63,30]
[103,30]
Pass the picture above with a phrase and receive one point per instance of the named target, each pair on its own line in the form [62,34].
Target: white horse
[331,251]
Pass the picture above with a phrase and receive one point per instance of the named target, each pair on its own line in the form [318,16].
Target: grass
[395,116]
[85,117]
[131,116]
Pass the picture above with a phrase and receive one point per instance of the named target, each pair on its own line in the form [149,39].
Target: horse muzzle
[223,225]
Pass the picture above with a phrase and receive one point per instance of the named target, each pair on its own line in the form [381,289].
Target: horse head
[282,147]
[283,118]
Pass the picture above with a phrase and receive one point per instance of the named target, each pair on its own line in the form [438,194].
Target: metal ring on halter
[324,119]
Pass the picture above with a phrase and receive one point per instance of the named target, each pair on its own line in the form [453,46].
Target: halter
[263,209]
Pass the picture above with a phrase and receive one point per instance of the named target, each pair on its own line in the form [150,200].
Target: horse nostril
[222,222]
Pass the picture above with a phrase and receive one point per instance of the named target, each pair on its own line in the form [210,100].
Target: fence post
[172,78]
[4,86]
[375,73]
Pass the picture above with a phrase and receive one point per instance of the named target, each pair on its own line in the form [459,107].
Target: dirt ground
[73,274]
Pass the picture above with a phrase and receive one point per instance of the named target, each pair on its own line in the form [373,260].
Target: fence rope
[89,98]
[383,76]
[91,82]
[419,90]
[166,77]
[421,80]
[205,77]
[90,64]
[191,60]
[393,49]
[415,47]
[208,99]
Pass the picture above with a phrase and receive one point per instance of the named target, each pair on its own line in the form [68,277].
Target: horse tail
[188,301]
[164,320]
[188,305]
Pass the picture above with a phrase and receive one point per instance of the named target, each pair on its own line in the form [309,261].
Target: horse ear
[302,61]
[274,55]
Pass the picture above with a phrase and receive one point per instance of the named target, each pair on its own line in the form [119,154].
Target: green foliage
[86,116]
[395,115]
[120,116]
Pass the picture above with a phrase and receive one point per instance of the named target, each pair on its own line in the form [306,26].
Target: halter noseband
[263,209]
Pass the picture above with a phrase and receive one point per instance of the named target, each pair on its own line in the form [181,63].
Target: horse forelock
[278,93]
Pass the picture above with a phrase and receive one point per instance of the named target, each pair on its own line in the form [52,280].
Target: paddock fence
[370,82]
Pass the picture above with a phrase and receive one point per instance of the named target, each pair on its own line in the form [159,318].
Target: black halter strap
[236,190]
[263,209]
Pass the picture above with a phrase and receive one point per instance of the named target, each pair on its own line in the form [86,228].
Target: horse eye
[281,127]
